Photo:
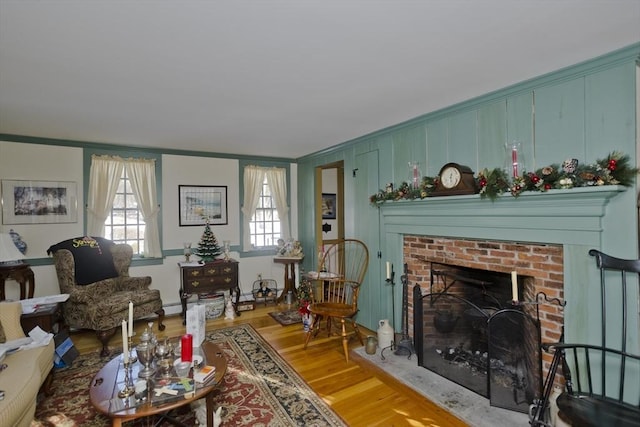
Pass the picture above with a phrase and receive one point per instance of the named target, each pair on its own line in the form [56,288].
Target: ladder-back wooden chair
[335,290]
[602,381]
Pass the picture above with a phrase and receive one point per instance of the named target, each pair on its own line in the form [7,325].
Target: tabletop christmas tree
[208,248]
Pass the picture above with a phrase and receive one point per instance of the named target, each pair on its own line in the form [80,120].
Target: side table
[289,274]
[47,316]
[22,274]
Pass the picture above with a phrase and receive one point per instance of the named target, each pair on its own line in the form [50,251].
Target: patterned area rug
[259,388]
[288,317]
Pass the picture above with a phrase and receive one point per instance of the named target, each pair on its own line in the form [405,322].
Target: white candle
[125,342]
[130,319]
[514,286]
[388,270]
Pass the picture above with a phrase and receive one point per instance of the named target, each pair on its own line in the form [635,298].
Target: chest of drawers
[206,278]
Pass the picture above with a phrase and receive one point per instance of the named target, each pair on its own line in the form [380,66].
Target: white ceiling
[277,78]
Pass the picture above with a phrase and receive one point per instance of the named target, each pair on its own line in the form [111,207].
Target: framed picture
[328,206]
[39,202]
[197,203]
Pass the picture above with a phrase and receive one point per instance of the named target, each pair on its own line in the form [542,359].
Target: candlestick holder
[133,358]
[128,389]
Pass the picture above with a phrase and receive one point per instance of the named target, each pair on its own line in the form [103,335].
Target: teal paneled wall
[492,133]
[559,123]
[584,112]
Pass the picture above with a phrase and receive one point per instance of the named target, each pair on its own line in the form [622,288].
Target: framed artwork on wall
[197,203]
[328,206]
[39,202]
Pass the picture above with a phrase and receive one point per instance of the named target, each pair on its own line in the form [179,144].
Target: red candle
[186,348]
[514,160]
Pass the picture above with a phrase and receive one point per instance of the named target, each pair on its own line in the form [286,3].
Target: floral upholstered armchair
[101,305]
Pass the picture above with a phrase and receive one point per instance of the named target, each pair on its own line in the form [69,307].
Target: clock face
[450,177]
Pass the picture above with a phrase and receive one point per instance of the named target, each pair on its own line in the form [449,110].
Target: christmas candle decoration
[186,348]
[514,286]
[130,318]
[125,343]
[514,160]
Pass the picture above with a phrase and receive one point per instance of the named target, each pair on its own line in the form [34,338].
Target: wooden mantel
[557,216]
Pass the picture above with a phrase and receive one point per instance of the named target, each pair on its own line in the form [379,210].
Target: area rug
[259,388]
[288,317]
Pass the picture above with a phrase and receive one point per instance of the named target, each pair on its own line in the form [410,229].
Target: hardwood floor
[360,393]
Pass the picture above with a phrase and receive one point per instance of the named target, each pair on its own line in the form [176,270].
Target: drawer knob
[227,270]
[227,279]
[195,283]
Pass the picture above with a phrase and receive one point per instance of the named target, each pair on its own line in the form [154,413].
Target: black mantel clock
[455,179]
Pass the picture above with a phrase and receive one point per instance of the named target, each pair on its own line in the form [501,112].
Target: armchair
[102,305]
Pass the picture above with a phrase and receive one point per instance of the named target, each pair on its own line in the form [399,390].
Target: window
[122,202]
[265,208]
[264,226]
[124,223]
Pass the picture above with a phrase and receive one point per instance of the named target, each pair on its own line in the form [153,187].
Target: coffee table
[106,384]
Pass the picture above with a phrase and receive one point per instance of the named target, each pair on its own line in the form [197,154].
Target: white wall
[56,163]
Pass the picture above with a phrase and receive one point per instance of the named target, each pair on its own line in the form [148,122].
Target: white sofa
[26,371]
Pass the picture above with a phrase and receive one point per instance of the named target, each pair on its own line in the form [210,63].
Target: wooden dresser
[219,275]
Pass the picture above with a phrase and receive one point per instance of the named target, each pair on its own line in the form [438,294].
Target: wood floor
[360,393]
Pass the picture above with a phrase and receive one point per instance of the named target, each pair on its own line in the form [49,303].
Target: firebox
[468,329]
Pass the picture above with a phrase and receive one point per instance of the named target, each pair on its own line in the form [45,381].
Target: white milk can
[385,334]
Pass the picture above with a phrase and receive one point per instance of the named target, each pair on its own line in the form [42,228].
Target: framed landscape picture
[197,203]
[39,202]
[328,206]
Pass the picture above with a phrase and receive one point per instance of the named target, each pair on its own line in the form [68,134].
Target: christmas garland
[613,170]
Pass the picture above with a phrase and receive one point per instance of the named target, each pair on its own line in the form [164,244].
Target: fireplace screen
[467,330]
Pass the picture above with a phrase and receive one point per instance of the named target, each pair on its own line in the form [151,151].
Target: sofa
[26,371]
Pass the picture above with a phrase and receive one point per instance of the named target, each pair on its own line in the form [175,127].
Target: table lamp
[9,253]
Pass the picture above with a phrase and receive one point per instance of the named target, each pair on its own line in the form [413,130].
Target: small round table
[289,274]
[21,273]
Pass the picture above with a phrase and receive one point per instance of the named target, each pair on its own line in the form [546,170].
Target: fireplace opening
[467,329]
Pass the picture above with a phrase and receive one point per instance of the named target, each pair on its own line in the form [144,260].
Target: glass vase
[414,174]
[514,164]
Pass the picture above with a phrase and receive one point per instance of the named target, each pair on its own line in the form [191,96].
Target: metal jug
[370,346]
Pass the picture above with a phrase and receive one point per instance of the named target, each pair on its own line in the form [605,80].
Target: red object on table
[186,348]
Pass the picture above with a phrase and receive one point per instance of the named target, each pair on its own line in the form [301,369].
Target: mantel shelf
[555,216]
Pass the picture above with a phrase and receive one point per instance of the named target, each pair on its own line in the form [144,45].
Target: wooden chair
[602,380]
[335,291]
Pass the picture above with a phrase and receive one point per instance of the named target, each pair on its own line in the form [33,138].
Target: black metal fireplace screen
[470,332]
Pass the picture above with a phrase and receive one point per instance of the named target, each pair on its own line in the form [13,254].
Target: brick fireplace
[463,272]
[545,237]
[541,264]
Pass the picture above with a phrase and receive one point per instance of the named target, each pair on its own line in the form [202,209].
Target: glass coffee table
[109,381]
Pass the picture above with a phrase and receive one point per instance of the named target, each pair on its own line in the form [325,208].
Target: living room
[584,110]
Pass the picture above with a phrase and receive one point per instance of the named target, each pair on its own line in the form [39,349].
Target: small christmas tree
[208,248]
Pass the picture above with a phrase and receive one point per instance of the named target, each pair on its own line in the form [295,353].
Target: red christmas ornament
[535,179]
[612,164]
[547,186]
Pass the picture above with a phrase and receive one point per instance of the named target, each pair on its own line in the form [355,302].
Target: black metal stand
[405,346]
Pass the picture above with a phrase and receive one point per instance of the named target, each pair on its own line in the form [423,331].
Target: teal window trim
[137,153]
[268,164]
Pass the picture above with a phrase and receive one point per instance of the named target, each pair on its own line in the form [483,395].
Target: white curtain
[142,175]
[277,180]
[253,177]
[104,176]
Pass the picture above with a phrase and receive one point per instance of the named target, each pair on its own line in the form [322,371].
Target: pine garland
[615,169]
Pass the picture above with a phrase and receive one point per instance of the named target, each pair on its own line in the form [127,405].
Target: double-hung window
[122,203]
[265,210]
